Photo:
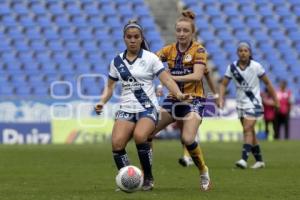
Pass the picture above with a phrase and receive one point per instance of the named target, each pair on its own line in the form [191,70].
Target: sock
[145,156]
[257,153]
[121,158]
[197,156]
[246,151]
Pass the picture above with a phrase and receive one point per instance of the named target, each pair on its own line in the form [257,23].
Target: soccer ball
[129,179]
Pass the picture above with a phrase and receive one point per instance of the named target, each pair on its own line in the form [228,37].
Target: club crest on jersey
[142,63]
[188,58]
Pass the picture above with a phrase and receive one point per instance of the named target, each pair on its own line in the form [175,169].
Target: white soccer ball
[129,179]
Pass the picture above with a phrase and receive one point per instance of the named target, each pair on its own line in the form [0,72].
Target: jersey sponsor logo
[201,50]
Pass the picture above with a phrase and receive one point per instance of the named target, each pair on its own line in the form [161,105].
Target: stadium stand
[272,28]
[57,40]
[43,41]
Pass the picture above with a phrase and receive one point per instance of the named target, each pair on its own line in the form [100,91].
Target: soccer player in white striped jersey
[246,74]
[138,114]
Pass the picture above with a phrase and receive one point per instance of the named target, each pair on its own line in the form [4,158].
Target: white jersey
[251,74]
[144,69]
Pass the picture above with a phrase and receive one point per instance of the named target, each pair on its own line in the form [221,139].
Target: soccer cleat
[241,164]
[205,183]
[148,184]
[258,165]
[185,161]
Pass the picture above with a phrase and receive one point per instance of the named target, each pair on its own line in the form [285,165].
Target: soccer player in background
[136,68]
[246,74]
[186,63]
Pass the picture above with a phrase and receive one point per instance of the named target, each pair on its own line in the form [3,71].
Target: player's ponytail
[189,16]
[134,24]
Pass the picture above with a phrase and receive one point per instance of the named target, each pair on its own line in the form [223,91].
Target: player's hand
[220,102]
[159,91]
[184,97]
[99,108]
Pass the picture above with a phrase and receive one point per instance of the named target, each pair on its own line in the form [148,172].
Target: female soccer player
[136,68]
[246,74]
[186,62]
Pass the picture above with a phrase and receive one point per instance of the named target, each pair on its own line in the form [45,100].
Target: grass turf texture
[87,172]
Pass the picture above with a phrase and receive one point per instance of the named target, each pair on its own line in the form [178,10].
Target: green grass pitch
[87,172]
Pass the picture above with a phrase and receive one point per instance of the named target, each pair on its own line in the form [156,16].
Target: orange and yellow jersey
[182,63]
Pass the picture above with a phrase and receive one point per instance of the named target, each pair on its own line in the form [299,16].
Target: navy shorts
[179,109]
[134,117]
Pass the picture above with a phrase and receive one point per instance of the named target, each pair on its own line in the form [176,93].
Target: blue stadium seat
[20,9]
[79,21]
[85,34]
[4,8]
[218,23]
[230,10]
[8,21]
[8,56]
[40,90]
[33,33]
[7,90]
[265,10]
[236,23]
[21,45]
[96,21]
[43,21]
[13,66]
[212,11]
[38,9]
[50,33]
[62,20]
[207,35]
[73,9]
[72,45]
[55,45]
[38,45]
[67,34]
[31,66]
[56,9]
[15,32]
[91,9]
[108,10]
[90,46]
[25,56]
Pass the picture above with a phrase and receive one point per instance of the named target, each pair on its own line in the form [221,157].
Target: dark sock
[145,156]
[121,158]
[257,153]
[247,148]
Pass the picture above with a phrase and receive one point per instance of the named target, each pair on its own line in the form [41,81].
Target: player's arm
[106,95]
[211,83]
[166,79]
[223,86]
[198,71]
[270,88]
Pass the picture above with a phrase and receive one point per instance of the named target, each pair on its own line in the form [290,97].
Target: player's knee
[139,137]
[118,145]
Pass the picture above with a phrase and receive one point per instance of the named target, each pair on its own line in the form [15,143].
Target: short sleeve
[228,73]
[157,65]
[162,54]
[113,74]
[260,70]
[200,56]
